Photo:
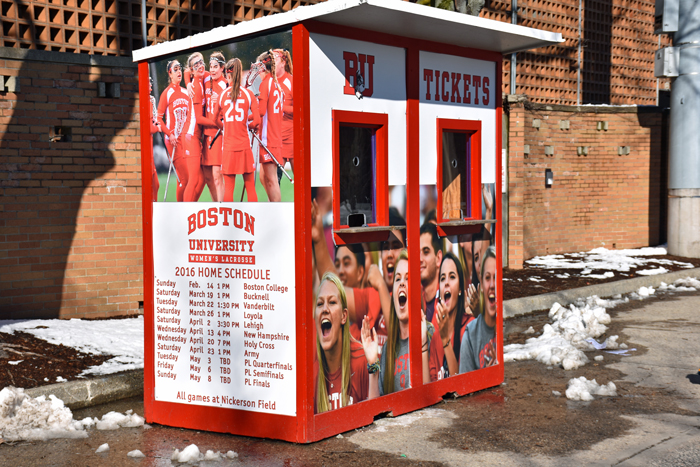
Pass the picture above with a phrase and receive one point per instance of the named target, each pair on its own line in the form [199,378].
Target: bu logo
[359,74]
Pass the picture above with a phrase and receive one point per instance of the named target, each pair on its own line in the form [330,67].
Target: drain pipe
[578,71]
[513,62]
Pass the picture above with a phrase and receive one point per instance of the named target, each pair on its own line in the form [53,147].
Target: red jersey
[287,84]
[236,137]
[438,367]
[271,108]
[212,91]
[358,389]
[175,112]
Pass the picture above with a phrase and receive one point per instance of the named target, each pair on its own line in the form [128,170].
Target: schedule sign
[224,291]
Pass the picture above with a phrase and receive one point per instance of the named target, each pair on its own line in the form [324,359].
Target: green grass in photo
[286,188]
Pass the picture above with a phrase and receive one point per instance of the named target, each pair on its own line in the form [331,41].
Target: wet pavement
[654,420]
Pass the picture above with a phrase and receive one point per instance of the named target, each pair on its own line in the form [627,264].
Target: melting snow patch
[61,379]
[26,418]
[135,453]
[39,419]
[645,291]
[408,419]
[652,272]
[536,279]
[598,358]
[606,275]
[16,362]
[581,389]
[122,338]
[610,260]
[556,393]
[191,454]
[116,420]
[563,341]
[102,448]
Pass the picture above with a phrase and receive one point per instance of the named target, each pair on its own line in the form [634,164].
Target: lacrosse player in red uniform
[284,70]
[155,128]
[237,106]
[271,102]
[175,107]
[214,85]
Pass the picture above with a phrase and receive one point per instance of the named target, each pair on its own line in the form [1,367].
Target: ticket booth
[322,217]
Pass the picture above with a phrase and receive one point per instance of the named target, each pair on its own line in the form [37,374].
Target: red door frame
[307,427]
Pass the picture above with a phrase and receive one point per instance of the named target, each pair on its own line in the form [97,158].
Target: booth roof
[388,16]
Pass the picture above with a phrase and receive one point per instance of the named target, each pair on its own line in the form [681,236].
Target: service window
[459,170]
[360,191]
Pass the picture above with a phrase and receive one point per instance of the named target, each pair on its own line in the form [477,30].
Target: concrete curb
[525,305]
[89,392]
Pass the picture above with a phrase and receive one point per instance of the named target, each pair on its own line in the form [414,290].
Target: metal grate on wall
[617,54]
[113,27]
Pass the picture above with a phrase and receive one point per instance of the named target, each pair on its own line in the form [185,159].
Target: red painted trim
[413,212]
[303,247]
[348,32]
[217,419]
[147,219]
[379,122]
[473,129]
[498,213]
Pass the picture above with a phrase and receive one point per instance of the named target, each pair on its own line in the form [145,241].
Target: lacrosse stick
[170,168]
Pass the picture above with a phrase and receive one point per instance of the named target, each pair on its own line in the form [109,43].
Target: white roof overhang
[387,16]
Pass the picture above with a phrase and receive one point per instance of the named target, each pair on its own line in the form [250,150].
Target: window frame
[379,122]
[473,129]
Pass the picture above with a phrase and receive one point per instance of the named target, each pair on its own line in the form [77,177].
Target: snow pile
[37,419]
[581,389]
[688,284]
[116,420]
[609,260]
[120,337]
[25,418]
[135,454]
[563,341]
[191,454]
[102,448]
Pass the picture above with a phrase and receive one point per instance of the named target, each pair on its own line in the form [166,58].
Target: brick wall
[599,199]
[70,210]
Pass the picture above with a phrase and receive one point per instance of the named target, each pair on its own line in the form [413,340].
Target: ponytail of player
[268,59]
[322,403]
[234,67]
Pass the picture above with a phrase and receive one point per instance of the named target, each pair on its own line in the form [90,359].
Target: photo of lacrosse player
[189,143]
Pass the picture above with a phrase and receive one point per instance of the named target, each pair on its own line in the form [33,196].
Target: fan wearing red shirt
[155,128]
[238,108]
[450,319]
[176,120]
[214,85]
[340,367]
[271,103]
[284,70]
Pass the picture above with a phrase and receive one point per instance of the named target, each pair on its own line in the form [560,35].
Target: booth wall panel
[327,81]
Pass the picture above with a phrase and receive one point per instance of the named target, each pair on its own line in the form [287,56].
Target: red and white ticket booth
[385,118]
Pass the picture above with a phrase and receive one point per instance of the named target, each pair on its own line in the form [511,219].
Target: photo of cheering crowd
[222,124]
[361,310]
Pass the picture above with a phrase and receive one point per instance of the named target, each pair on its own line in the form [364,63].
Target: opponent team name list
[224,306]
